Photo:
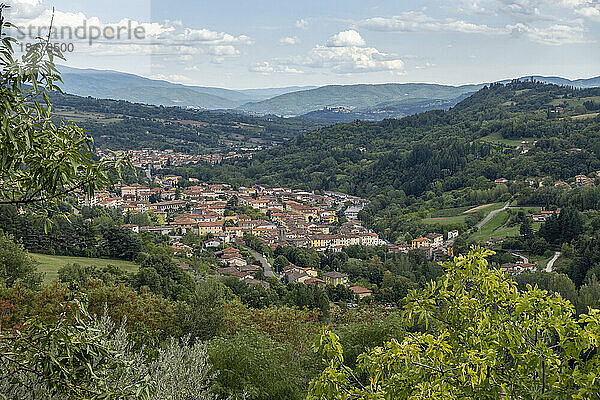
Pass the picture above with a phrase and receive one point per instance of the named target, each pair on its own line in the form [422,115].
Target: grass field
[50,265]
[441,221]
[585,116]
[77,116]
[453,216]
[541,261]
[496,227]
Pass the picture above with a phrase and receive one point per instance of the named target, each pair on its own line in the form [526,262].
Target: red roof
[360,290]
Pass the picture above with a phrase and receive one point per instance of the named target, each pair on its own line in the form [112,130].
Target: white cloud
[224,51]
[344,53]
[417,21]
[167,37]
[534,26]
[175,32]
[547,10]
[552,35]
[592,13]
[352,59]
[301,23]
[346,39]
[268,68]
[290,41]
[24,9]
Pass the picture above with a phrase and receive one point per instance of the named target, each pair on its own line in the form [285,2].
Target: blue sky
[265,43]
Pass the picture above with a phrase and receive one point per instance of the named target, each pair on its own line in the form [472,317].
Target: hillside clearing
[50,265]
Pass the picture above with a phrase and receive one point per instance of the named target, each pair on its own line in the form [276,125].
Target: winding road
[521,256]
[552,261]
[491,215]
[263,261]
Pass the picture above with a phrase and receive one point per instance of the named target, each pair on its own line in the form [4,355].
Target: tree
[40,161]
[280,263]
[476,337]
[202,318]
[257,366]
[526,229]
[65,358]
[16,265]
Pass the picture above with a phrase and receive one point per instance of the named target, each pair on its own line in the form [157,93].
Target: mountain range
[333,103]
[106,84]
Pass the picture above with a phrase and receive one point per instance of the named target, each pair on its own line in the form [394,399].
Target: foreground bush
[484,339]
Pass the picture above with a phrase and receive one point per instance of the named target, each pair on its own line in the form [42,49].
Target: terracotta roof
[360,290]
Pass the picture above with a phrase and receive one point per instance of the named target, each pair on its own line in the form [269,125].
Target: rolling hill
[378,102]
[115,85]
[449,147]
[358,98]
[365,102]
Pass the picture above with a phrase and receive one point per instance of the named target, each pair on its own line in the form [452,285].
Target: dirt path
[550,264]
[491,215]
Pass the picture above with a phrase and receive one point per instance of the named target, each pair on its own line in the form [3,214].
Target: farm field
[458,215]
[50,265]
[498,139]
[497,228]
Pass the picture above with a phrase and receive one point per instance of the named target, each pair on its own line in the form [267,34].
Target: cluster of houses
[579,180]
[238,267]
[287,217]
[543,215]
[433,245]
[234,264]
[517,268]
[153,159]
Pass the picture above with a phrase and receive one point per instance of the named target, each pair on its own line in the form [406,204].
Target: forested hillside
[359,97]
[445,150]
[119,124]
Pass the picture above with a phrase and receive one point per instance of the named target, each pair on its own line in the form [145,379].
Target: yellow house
[209,227]
[234,230]
[335,278]
[436,239]
[317,241]
[420,242]
[172,179]
[583,180]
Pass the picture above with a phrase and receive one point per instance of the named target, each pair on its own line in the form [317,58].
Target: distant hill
[453,147]
[123,86]
[365,102]
[359,98]
[267,93]
[377,102]
[393,109]
[578,83]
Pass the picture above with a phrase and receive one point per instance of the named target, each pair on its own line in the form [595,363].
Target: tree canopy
[475,336]
[40,160]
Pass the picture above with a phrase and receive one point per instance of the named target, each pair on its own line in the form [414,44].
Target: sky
[266,43]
